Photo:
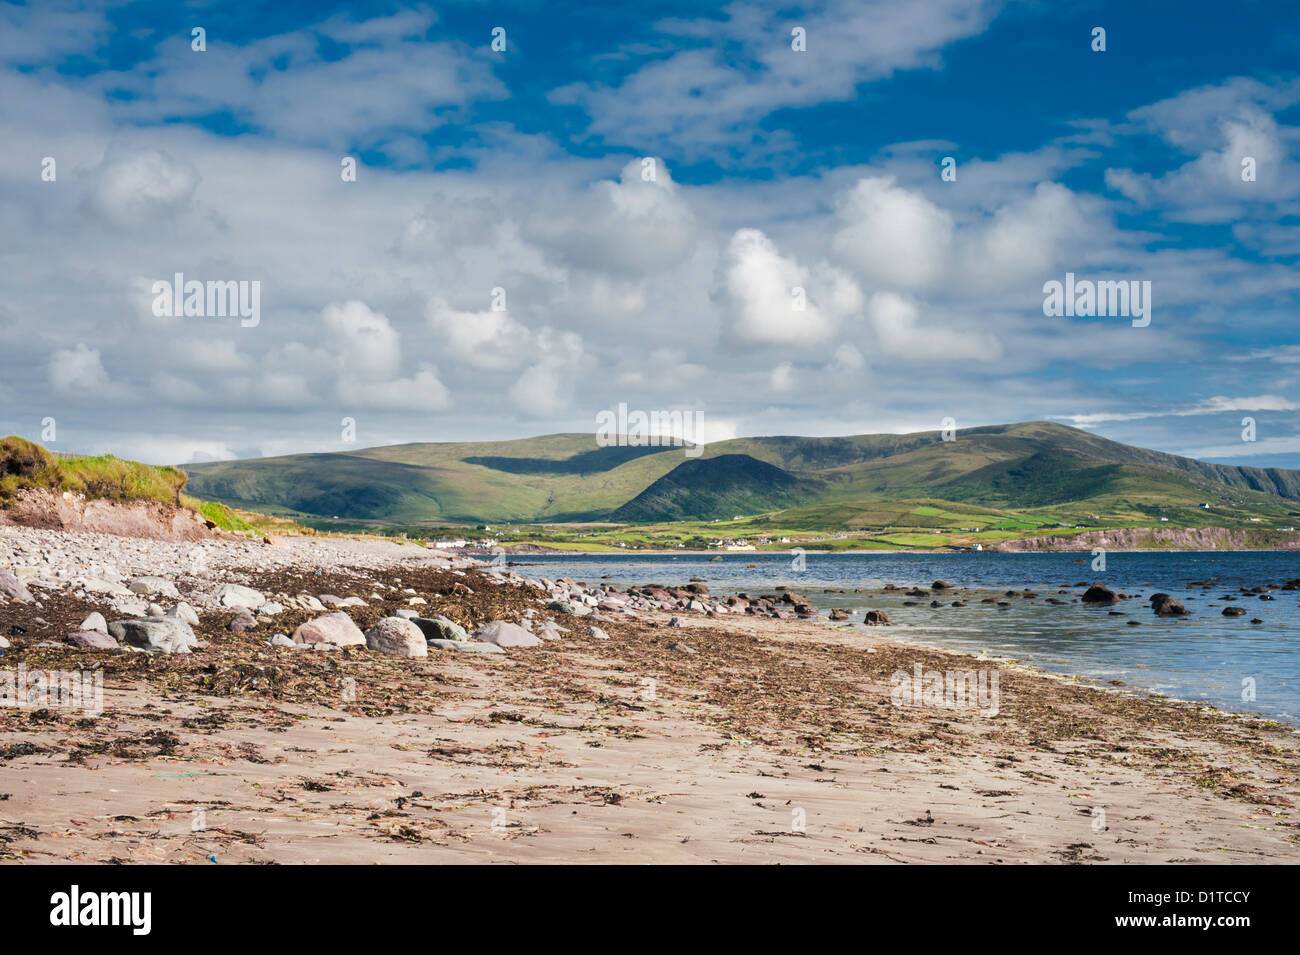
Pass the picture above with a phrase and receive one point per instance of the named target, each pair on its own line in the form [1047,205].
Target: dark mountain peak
[719,487]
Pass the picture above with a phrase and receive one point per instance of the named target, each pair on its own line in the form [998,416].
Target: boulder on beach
[940,585]
[398,637]
[156,634]
[440,628]
[236,595]
[1098,594]
[549,630]
[243,622]
[465,646]
[569,607]
[183,611]
[95,621]
[98,585]
[13,588]
[333,628]
[598,633]
[92,640]
[505,634]
[148,586]
[876,618]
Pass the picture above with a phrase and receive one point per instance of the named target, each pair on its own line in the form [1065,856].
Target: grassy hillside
[24,464]
[704,488]
[1036,467]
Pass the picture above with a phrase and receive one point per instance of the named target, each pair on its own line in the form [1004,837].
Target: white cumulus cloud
[760,291]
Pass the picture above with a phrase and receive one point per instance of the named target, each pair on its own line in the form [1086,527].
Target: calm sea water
[1205,657]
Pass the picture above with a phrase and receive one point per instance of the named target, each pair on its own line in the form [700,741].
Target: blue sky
[524,170]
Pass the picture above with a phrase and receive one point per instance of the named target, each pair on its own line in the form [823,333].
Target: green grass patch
[223,517]
[26,465]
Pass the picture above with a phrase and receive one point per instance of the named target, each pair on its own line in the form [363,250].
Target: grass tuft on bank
[26,465]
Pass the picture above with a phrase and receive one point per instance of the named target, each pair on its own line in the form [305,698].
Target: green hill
[568,478]
[705,488]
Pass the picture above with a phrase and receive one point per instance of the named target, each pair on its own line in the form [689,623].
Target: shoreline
[768,740]
[510,555]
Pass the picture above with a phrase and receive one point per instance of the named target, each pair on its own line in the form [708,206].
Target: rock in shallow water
[1097,594]
[1166,606]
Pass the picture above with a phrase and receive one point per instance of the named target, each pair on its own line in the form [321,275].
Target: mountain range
[1035,466]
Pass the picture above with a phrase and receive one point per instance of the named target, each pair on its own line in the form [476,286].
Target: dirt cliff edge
[40,507]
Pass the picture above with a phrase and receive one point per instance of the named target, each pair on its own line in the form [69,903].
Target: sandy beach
[775,741]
